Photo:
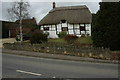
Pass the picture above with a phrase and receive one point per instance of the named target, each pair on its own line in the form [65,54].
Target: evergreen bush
[62,34]
[38,37]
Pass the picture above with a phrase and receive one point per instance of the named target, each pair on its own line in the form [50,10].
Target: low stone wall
[65,49]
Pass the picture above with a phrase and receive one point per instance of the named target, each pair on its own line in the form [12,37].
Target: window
[82,28]
[46,28]
[64,28]
[63,21]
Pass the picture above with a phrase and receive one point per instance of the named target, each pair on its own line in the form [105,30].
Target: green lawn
[84,40]
[81,40]
[59,40]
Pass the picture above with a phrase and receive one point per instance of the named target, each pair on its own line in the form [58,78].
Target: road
[16,66]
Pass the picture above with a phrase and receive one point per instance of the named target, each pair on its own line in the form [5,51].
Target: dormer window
[46,28]
[63,21]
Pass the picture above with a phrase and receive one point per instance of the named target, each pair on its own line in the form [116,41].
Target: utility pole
[21,34]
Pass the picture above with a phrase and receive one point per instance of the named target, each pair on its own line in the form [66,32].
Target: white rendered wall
[64,24]
[53,34]
[59,28]
[70,29]
[88,27]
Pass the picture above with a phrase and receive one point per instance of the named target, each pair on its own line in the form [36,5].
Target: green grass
[81,40]
[59,40]
[84,40]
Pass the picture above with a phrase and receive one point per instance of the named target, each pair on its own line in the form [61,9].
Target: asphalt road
[16,66]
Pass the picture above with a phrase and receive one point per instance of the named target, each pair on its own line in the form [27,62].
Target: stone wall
[64,49]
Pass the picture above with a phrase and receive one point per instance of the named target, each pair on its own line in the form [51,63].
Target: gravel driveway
[6,40]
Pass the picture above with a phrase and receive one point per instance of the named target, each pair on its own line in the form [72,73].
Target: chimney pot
[33,18]
[53,5]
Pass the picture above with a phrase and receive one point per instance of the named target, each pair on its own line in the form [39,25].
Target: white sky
[39,9]
[53,0]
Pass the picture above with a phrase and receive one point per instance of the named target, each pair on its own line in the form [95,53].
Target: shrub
[115,55]
[62,34]
[47,33]
[38,37]
[70,38]
[83,35]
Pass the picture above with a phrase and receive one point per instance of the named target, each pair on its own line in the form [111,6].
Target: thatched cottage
[76,20]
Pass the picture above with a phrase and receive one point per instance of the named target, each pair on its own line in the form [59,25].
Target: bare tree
[17,8]
[19,11]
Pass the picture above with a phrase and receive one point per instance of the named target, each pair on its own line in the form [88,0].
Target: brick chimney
[33,18]
[53,5]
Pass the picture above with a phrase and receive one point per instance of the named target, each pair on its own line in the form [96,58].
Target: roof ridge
[69,8]
[73,6]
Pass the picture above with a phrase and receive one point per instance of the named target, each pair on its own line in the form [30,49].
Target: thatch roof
[72,14]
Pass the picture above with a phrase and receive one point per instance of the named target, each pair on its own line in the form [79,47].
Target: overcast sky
[40,9]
